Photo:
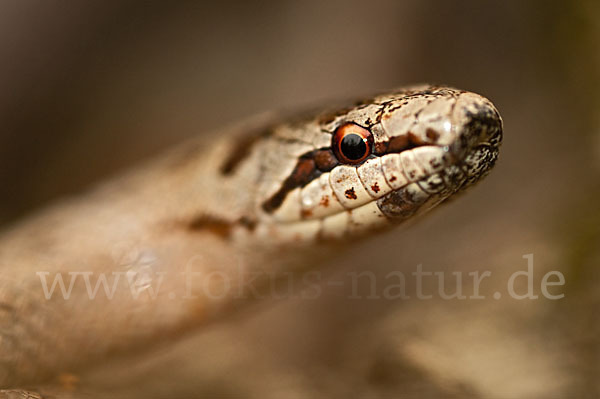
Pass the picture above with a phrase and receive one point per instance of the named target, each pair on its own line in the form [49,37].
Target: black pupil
[353,146]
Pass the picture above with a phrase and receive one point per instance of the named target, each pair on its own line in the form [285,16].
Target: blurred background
[90,88]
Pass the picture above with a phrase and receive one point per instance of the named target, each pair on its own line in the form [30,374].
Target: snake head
[377,163]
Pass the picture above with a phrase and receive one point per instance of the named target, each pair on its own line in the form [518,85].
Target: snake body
[264,196]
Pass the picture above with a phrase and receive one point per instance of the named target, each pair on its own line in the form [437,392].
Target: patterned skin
[266,197]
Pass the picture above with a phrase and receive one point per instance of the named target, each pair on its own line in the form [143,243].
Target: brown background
[87,89]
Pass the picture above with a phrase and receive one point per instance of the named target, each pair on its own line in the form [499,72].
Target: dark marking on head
[219,227]
[389,110]
[381,147]
[350,193]
[400,143]
[248,223]
[324,201]
[432,134]
[310,166]
[325,159]
[305,171]
[375,188]
[306,213]
[242,149]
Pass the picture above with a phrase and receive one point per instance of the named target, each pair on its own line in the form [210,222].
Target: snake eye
[352,143]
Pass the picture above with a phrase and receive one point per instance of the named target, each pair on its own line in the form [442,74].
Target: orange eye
[352,143]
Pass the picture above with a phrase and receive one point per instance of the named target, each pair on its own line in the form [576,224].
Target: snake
[266,195]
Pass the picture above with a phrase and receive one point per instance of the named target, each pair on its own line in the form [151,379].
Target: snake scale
[264,196]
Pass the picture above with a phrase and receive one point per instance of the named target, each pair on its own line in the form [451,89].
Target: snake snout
[478,123]
[479,137]
[470,134]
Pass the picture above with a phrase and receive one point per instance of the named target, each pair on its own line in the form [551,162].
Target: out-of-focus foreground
[90,89]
